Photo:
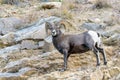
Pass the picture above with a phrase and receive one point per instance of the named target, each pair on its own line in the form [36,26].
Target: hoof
[98,64]
[62,70]
[105,63]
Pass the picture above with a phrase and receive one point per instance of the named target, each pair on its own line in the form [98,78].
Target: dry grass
[72,6]
[63,13]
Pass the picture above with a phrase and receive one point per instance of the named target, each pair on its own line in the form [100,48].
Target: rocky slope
[26,52]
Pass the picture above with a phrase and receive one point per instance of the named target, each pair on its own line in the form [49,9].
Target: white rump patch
[95,37]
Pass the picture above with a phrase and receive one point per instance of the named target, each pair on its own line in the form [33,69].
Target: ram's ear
[48,25]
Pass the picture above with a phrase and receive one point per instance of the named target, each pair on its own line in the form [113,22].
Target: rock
[111,32]
[109,21]
[48,45]
[32,44]
[93,26]
[86,78]
[22,54]
[29,44]
[27,71]
[96,75]
[11,49]
[113,40]
[106,75]
[31,33]
[22,74]
[118,77]
[7,39]
[92,1]
[114,71]
[4,61]
[10,2]
[50,5]
[12,76]
[15,66]
[81,1]
[94,20]
[10,24]
[41,44]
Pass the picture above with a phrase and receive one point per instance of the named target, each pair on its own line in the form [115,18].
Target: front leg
[104,55]
[65,53]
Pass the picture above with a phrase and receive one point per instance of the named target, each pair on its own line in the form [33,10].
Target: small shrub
[102,4]
[66,14]
[72,6]
[47,7]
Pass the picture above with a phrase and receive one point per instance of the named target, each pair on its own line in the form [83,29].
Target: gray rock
[94,20]
[41,44]
[7,39]
[29,44]
[37,31]
[118,77]
[11,49]
[10,24]
[93,26]
[20,75]
[109,22]
[113,40]
[81,1]
[14,66]
[48,44]
[111,32]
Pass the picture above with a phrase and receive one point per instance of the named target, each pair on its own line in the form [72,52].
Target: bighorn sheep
[80,43]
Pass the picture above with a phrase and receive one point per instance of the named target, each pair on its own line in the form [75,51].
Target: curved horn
[48,26]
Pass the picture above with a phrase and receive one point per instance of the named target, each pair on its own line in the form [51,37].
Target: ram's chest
[58,47]
[56,44]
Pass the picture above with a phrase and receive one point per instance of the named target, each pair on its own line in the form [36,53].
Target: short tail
[98,34]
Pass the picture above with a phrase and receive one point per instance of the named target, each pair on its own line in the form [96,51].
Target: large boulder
[112,37]
[22,74]
[11,49]
[93,26]
[10,24]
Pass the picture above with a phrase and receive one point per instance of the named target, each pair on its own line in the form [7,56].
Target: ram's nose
[54,32]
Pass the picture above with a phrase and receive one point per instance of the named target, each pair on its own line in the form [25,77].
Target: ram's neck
[57,39]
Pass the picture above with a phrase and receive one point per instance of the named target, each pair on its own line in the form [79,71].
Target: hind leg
[104,55]
[96,52]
